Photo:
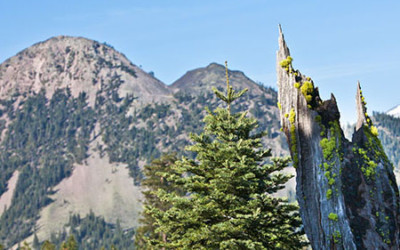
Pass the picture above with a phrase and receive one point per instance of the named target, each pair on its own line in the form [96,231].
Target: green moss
[286,63]
[292,116]
[328,146]
[297,85]
[374,130]
[307,90]
[369,166]
[336,236]
[329,194]
[333,216]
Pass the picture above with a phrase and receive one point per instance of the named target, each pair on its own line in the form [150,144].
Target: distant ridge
[78,63]
[395,111]
[203,79]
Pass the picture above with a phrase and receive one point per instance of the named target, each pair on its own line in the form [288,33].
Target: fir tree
[155,174]
[47,245]
[25,246]
[71,244]
[229,185]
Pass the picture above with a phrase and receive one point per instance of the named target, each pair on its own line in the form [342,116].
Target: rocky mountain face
[347,191]
[80,64]
[78,120]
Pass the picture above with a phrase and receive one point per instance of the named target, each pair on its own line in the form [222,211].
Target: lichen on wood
[346,190]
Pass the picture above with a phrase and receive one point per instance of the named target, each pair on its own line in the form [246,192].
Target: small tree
[155,178]
[47,245]
[229,185]
[71,244]
[25,246]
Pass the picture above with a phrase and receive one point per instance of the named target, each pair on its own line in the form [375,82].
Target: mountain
[77,63]
[78,121]
[394,111]
[200,80]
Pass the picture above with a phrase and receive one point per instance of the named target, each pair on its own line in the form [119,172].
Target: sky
[336,43]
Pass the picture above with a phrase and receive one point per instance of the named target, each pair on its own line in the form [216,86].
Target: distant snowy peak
[394,111]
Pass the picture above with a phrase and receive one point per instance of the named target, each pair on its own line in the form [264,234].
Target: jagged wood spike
[347,192]
[361,110]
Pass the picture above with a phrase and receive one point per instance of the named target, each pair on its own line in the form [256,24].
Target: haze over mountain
[79,120]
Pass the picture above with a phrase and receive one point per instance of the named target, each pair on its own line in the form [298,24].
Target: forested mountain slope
[78,120]
[389,134]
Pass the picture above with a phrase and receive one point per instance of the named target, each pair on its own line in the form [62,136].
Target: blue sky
[334,42]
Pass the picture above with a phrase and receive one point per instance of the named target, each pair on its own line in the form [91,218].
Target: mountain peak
[203,79]
[216,66]
[81,64]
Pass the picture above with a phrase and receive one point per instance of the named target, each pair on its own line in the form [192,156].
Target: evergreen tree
[229,185]
[71,244]
[47,245]
[155,174]
[25,246]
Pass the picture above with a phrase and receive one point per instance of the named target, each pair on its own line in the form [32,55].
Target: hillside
[79,120]
[389,134]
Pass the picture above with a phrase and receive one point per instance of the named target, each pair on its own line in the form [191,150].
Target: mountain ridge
[194,80]
[78,63]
